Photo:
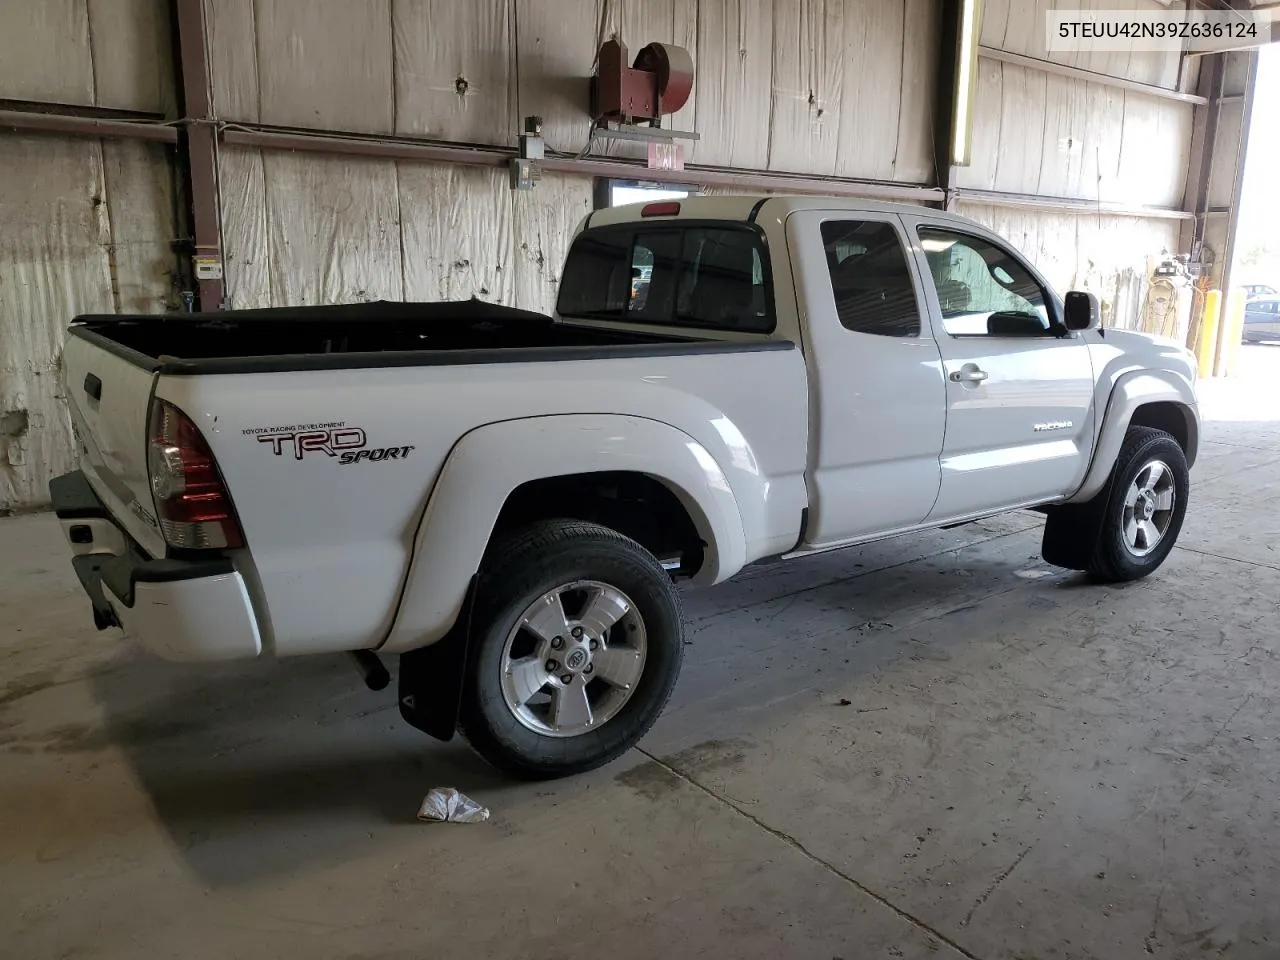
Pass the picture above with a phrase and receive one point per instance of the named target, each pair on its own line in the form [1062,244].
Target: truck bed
[378,334]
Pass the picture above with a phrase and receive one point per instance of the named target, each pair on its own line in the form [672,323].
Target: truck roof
[747,207]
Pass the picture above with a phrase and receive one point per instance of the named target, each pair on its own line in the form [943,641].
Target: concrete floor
[934,747]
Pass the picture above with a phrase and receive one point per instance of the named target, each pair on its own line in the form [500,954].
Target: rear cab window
[671,274]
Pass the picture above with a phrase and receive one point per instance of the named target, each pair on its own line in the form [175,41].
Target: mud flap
[430,684]
[1071,531]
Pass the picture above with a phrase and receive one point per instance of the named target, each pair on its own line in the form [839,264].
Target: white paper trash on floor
[447,805]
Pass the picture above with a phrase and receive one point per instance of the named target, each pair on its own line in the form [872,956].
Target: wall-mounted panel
[45,52]
[869,124]
[333,229]
[556,45]
[734,71]
[233,58]
[455,84]
[132,54]
[457,233]
[808,83]
[246,256]
[1018,26]
[143,218]
[326,64]
[1055,136]
[105,53]
[543,221]
[914,160]
[305,228]
[1222,178]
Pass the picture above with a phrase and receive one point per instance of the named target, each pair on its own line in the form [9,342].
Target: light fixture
[965,81]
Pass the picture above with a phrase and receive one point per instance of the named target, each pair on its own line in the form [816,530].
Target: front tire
[1128,530]
[577,641]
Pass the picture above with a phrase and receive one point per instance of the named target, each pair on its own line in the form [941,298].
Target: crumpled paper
[447,805]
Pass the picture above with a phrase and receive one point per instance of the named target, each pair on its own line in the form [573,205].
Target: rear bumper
[187,610]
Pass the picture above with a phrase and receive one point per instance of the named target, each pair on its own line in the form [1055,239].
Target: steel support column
[1204,135]
[944,101]
[199,145]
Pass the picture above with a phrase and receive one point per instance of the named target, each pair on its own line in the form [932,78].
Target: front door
[1019,386]
[878,399]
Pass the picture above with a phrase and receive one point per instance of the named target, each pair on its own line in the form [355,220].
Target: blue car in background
[1262,320]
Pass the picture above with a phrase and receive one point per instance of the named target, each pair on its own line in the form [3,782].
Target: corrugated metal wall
[811,87]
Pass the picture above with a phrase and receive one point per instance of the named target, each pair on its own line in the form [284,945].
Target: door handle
[968,374]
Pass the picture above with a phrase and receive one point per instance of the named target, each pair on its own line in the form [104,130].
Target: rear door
[110,400]
[878,398]
[1019,386]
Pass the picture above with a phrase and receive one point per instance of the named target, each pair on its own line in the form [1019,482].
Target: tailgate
[110,401]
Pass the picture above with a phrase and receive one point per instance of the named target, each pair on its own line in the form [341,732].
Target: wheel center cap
[1148,508]
[576,659]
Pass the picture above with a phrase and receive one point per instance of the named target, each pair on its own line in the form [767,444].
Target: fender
[490,462]
[1131,391]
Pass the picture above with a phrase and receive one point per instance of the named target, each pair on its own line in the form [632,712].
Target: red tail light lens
[191,499]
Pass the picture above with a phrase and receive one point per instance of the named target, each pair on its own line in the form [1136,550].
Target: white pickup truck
[504,499]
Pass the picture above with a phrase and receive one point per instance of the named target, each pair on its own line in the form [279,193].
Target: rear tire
[1128,530]
[576,644]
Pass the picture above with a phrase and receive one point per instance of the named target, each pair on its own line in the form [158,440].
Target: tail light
[663,208]
[191,498]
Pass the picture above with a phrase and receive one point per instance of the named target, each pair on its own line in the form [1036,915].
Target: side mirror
[1082,311]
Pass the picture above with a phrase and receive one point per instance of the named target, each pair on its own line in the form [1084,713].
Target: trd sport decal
[346,444]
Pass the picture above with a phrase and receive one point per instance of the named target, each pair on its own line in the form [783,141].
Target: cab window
[982,289]
[707,277]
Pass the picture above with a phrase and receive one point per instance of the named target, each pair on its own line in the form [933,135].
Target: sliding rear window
[671,275]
